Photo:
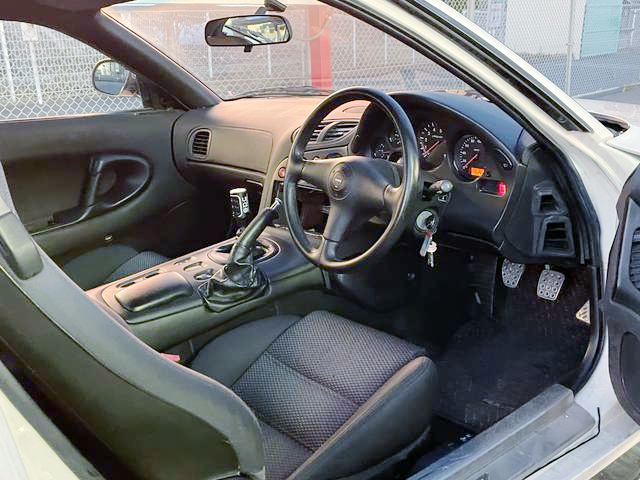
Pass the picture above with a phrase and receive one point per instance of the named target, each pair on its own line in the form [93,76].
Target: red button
[282,171]
[502,189]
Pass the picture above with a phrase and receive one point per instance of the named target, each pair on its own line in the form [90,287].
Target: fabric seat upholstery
[333,397]
[108,264]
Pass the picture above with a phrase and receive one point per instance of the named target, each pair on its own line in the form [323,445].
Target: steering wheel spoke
[392,197]
[316,172]
[325,252]
[342,217]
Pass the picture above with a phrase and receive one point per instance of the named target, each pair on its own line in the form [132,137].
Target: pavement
[593,73]
[627,467]
[626,95]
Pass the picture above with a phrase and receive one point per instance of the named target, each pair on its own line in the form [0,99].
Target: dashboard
[506,195]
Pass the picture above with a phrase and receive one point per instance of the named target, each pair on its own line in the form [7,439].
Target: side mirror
[247,31]
[113,79]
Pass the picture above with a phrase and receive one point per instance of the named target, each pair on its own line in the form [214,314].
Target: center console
[163,305]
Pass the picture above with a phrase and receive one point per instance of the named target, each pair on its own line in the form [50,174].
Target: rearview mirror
[113,79]
[247,31]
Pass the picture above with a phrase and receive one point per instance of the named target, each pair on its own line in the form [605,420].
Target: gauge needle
[471,160]
[432,148]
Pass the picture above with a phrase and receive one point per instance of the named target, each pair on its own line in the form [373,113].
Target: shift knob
[240,210]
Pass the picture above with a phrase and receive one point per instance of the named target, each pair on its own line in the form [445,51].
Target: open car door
[621,304]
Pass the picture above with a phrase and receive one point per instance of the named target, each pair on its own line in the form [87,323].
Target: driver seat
[332,397]
[317,397]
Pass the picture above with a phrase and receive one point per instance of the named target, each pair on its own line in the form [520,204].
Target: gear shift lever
[240,210]
[240,279]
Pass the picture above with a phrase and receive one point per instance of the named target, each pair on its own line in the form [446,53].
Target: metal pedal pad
[549,284]
[511,273]
[584,314]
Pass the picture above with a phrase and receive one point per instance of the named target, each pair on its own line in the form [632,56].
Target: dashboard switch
[204,275]
[193,265]
[493,187]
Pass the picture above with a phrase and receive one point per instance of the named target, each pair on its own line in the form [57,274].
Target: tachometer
[394,139]
[469,159]
[432,144]
[380,150]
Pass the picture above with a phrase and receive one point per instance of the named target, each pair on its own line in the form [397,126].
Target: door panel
[112,180]
[76,181]
[621,307]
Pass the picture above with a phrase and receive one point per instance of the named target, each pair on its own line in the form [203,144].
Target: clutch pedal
[549,284]
[511,273]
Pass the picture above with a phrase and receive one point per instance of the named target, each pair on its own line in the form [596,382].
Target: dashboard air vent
[316,133]
[339,130]
[634,262]
[557,236]
[200,142]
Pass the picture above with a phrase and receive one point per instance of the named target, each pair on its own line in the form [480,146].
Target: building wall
[541,27]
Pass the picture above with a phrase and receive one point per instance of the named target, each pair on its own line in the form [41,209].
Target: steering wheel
[358,187]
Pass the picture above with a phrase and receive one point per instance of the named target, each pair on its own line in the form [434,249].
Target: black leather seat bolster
[394,417]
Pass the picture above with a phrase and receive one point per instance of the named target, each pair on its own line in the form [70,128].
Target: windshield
[329,50]
[590,49]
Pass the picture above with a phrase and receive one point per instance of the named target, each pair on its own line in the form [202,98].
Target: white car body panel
[24,454]
[628,113]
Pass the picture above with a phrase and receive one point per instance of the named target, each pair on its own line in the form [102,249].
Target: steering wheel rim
[352,184]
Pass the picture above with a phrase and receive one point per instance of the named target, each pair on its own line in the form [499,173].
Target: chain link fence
[355,53]
[45,73]
[586,47]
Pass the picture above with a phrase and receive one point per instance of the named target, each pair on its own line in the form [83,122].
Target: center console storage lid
[154,291]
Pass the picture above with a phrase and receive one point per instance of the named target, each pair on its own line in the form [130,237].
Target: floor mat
[492,366]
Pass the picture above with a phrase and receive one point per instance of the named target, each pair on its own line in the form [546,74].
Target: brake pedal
[549,284]
[511,273]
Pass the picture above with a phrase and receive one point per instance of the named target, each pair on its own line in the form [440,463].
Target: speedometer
[432,144]
[469,159]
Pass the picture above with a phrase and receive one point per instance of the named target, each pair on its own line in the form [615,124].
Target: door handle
[132,174]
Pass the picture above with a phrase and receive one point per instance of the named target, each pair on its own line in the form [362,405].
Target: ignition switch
[426,221]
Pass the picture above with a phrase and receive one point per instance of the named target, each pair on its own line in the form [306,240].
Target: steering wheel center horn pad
[340,181]
[358,187]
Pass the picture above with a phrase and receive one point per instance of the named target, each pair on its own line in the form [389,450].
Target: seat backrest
[160,419]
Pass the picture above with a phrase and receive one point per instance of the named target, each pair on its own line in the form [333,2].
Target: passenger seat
[102,265]
[108,264]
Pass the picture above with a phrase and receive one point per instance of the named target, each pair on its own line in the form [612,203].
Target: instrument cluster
[464,152]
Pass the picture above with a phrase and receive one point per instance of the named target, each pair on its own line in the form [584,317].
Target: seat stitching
[286,435]
[265,350]
[311,379]
[311,449]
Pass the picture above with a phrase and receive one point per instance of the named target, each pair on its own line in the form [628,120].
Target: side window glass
[45,73]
